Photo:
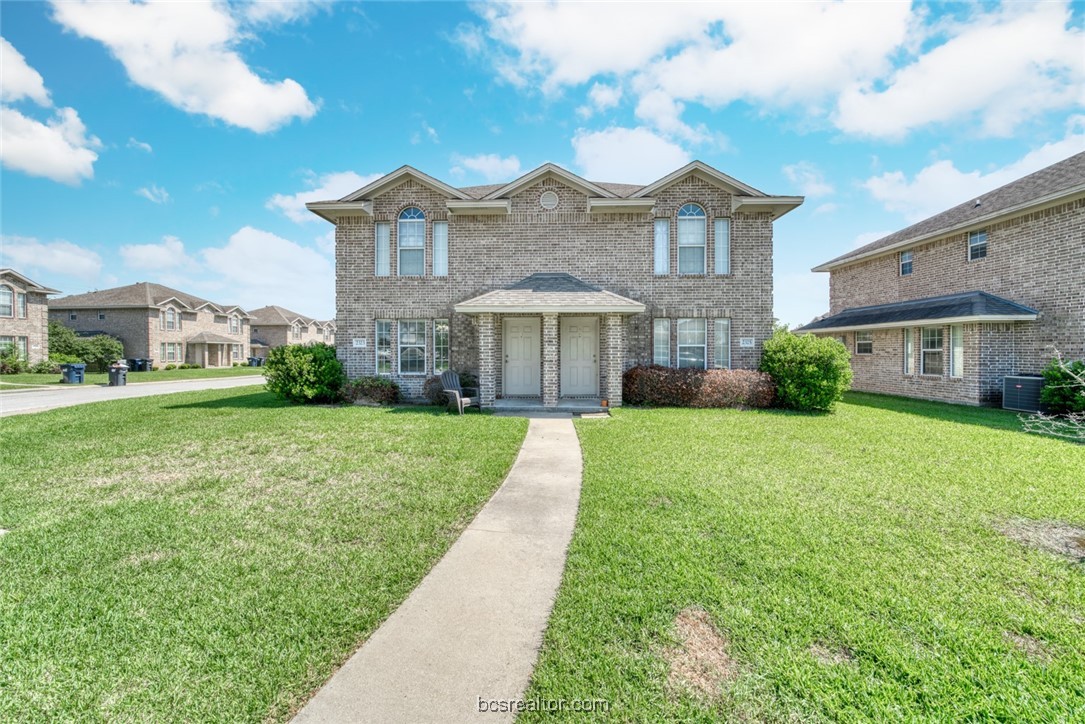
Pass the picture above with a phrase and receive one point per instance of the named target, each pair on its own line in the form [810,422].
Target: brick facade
[28,325]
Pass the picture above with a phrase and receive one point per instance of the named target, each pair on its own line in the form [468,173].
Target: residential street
[19,402]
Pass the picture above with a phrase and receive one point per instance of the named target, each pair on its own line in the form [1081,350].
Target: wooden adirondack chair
[457,400]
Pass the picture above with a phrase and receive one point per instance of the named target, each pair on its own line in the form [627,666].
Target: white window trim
[661,326]
[901,262]
[661,247]
[704,240]
[399,243]
[859,341]
[20,305]
[8,292]
[448,345]
[923,350]
[723,260]
[704,346]
[974,243]
[174,325]
[440,249]
[382,249]
[956,351]
[377,347]
[400,346]
[909,350]
[722,350]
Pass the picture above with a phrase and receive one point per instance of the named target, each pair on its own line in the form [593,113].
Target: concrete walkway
[473,627]
[20,402]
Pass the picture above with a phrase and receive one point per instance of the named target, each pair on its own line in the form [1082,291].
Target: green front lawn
[102,378]
[850,564]
[214,556]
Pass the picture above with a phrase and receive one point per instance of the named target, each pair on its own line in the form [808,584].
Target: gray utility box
[1022,392]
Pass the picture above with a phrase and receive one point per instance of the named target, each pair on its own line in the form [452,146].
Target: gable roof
[274,315]
[139,295]
[568,177]
[550,292]
[396,177]
[952,308]
[30,284]
[1048,186]
[704,170]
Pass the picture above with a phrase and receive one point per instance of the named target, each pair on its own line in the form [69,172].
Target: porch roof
[949,309]
[550,292]
[211,338]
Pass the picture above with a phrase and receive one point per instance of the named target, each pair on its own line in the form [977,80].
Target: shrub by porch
[669,387]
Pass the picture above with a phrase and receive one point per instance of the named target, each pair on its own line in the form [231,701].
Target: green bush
[688,387]
[170,366]
[46,367]
[63,343]
[305,373]
[1062,393]
[434,391]
[811,373]
[10,361]
[381,390]
[98,352]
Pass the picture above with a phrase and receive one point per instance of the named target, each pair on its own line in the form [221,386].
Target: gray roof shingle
[550,292]
[931,309]
[141,294]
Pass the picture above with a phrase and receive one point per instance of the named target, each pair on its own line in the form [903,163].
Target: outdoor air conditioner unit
[1022,392]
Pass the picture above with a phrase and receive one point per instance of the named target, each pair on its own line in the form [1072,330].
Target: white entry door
[521,336]
[579,356]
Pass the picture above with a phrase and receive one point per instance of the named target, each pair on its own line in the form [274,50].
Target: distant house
[159,323]
[275,326]
[947,308]
[24,315]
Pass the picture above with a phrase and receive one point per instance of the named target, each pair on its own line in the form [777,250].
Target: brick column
[551,381]
[487,377]
[615,343]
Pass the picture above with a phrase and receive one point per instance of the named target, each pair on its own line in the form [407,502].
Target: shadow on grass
[254,400]
[989,417]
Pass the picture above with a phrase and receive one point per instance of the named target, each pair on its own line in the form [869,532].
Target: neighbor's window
[956,351]
[20,299]
[162,351]
[7,302]
[6,343]
[864,343]
[905,263]
[977,244]
[411,242]
[440,345]
[296,331]
[723,246]
[723,344]
[235,325]
[909,351]
[171,319]
[661,342]
[692,343]
[412,347]
[72,316]
[101,315]
[21,348]
[384,347]
[691,239]
[662,246]
[382,261]
[440,248]
[931,360]
[235,353]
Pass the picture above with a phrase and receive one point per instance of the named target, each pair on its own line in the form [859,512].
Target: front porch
[570,405]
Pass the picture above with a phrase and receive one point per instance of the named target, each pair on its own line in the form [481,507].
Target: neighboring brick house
[275,326]
[24,315]
[946,308]
[159,323]
[550,286]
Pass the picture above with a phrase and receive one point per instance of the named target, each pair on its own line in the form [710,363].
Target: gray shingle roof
[141,294]
[30,284]
[1063,177]
[953,306]
[210,338]
[274,315]
[554,292]
[621,190]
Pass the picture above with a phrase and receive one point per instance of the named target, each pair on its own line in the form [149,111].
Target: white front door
[522,341]
[579,356]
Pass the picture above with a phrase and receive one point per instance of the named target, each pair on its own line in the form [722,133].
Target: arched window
[411,241]
[7,301]
[297,330]
[171,318]
[692,222]
[235,324]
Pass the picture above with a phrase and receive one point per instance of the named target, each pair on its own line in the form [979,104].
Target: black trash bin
[260,361]
[148,365]
[118,375]
[135,364]
[72,374]
[254,361]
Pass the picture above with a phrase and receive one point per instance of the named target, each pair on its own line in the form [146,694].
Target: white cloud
[165,256]
[18,80]
[185,52]
[808,178]
[664,113]
[58,149]
[431,134]
[605,155]
[489,166]
[153,193]
[941,185]
[325,188]
[601,97]
[279,11]
[54,257]
[139,145]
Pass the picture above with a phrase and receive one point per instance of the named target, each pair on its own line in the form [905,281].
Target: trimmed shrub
[670,387]
[46,367]
[305,373]
[1062,393]
[170,366]
[811,373]
[10,361]
[433,391]
[380,390]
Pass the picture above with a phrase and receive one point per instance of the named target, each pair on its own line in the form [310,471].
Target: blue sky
[178,142]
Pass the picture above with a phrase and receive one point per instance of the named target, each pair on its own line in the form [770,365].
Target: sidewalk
[473,627]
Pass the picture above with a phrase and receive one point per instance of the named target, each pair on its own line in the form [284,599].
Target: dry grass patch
[831,654]
[1032,647]
[701,664]
[1052,536]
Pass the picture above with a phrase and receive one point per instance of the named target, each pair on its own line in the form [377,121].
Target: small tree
[100,351]
[1063,395]
[305,373]
[64,342]
[811,373]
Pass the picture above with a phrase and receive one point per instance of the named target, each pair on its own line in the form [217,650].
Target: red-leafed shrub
[670,387]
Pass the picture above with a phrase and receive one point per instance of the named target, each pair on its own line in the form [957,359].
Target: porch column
[550,353]
[487,374]
[615,342]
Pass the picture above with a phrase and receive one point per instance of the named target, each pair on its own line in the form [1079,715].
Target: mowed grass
[101,378]
[851,563]
[214,556]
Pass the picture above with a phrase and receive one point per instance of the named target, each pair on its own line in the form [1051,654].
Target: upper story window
[382,265]
[235,325]
[662,247]
[7,301]
[440,248]
[723,246]
[905,263]
[20,303]
[411,241]
[296,331]
[171,319]
[977,244]
[692,222]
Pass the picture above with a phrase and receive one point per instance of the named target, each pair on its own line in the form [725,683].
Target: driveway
[20,402]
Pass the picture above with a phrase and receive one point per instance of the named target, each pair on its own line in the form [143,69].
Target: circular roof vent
[548,200]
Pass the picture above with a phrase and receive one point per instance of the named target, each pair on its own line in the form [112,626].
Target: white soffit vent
[548,200]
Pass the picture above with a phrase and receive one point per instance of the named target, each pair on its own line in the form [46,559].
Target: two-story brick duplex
[275,326]
[24,315]
[550,286]
[159,323]
[948,307]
